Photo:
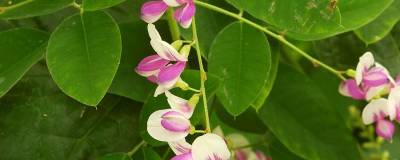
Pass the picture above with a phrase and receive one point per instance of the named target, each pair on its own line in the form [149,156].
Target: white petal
[158,132]
[153,33]
[166,51]
[179,103]
[374,108]
[394,101]
[180,146]
[386,72]
[210,147]
[172,3]
[366,61]
[375,91]
[160,90]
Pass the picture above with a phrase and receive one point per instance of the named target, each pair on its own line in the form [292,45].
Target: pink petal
[185,14]
[157,130]
[186,156]
[180,104]
[240,155]
[171,73]
[351,89]
[150,65]
[174,3]
[180,147]
[175,122]
[153,10]
[385,129]
[375,77]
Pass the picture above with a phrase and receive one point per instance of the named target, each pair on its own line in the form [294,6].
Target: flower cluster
[371,82]
[153,10]
[164,68]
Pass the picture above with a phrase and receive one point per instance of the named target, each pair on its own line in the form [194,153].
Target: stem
[136,148]
[194,90]
[272,34]
[203,76]
[77,6]
[173,26]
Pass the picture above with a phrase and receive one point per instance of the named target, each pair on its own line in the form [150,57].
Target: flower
[168,125]
[153,10]
[370,73]
[370,80]
[206,147]
[376,112]
[183,105]
[165,67]
[394,102]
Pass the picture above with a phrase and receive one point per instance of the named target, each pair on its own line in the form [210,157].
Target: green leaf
[83,56]
[314,19]
[303,118]
[280,152]
[241,57]
[150,154]
[92,5]
[115,156]
[380,27]
[20,49]
[209,24]
[40,122]
[273,71]
[17,9]
[127,82]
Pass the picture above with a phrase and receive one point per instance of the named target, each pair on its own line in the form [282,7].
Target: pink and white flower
[168,125]
[376,112]
[180,104]
[153,10]
[394,102]
[370,73]
[163,68]
[206,147]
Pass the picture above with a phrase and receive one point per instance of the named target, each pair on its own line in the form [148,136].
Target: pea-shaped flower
[168,125]
[370,73]
[376,112]
[153,10]
[206,147]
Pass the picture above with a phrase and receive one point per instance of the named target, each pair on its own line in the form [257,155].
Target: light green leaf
[314,19]
[241,57]
[135,46]
[92,5]
[305,120]
[83,56]
[380,27]
[16,9]
[40,122]
[20,49]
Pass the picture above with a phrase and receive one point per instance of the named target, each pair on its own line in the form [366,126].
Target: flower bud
[177,44]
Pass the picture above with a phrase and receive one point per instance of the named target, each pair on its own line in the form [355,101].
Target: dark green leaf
[92,5]
[314,19]
[83,56]
[280,152]
[115,156]
[380,27]
[303,118]
[15,9]
[241,57]
[40,122]
[127,82]
[20,49]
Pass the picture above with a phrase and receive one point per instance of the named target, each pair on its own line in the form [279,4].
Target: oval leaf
[84,54]
[300,115]
[241,57]
[314,19]
[115,156]
[380,27]
[92,5]
[30,8]
[20,49]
